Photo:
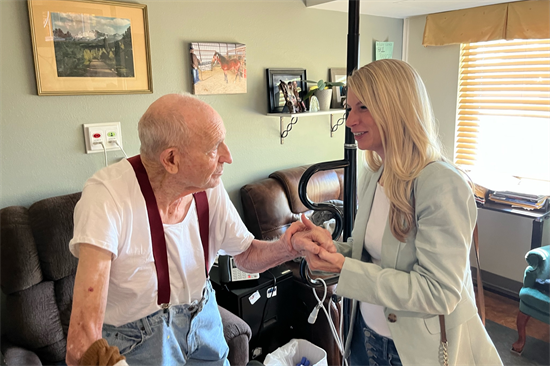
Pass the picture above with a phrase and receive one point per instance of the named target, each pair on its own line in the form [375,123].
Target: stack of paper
[523,200]
[528,194]
[480,193]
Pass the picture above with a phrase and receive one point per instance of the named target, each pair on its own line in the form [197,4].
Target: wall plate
[96,134]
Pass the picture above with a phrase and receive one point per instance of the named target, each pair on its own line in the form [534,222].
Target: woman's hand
[325,261]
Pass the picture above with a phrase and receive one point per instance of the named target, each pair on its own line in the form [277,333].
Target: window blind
[501,81]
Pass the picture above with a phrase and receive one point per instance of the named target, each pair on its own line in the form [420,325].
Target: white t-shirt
[112,215]
[374,314]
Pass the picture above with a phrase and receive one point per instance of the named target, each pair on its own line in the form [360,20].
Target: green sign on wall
[383,50]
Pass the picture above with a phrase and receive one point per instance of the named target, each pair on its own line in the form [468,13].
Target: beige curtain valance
[517,20]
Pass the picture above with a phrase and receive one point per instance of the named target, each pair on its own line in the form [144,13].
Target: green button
[111,134]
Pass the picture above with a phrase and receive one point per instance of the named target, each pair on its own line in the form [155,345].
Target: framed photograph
[338,92]
[218,68]
[90,47]
[276,99]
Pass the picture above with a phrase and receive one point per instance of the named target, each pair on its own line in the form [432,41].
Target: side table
[538,217]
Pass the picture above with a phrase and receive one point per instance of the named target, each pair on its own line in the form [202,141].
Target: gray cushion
[64,297]
[19,356]
[53,353]
[20,264]
[237,334]
[34,318]
[52,227]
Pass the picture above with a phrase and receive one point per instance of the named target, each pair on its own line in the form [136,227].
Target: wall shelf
[294,119]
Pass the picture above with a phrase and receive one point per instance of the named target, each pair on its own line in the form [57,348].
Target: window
[504,108]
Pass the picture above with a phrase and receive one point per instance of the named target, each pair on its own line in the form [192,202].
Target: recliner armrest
[237,334]
[233,326]
[14,355]
[539,266]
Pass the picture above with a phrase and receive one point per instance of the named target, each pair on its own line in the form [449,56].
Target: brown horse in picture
[228,64]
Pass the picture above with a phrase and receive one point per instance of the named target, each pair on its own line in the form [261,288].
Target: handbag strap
[158,239]
[443,347]
[480,294]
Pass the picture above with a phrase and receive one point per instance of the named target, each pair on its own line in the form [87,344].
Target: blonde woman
[408,262]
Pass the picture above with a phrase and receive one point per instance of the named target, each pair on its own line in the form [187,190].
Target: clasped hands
[316,245]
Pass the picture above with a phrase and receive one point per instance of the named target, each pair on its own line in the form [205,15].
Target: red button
[97,135]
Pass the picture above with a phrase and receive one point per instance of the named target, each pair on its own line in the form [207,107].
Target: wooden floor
[504,311]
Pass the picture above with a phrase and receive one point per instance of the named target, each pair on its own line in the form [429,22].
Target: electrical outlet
[96,136]
[99,136]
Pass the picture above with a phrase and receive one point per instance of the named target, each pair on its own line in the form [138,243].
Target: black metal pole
[350,148]
[349,163]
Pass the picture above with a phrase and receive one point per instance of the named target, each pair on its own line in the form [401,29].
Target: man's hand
[311,238]
[286,238]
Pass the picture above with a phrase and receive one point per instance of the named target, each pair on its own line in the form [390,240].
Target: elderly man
[146,231]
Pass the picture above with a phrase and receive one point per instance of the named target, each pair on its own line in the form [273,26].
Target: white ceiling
[401,8]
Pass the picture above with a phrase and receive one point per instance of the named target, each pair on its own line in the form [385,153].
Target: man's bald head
[172,121]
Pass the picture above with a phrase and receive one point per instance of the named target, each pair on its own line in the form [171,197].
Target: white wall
[504,239]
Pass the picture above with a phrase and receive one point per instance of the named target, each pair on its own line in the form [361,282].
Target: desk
[538,217]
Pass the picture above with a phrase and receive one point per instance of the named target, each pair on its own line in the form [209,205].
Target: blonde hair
[397,99]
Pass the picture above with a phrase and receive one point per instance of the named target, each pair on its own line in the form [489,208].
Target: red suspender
[157,230]
[201,202]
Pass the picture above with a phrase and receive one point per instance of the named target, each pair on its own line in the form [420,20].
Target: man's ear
[169,159]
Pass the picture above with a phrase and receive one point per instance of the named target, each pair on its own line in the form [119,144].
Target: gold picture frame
[84,47]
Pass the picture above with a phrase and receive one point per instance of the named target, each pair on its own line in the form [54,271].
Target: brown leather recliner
[270,206]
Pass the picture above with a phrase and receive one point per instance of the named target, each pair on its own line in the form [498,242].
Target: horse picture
[212,66]
[228,64]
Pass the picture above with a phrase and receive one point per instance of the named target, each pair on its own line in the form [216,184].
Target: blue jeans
[370,348]
[190,334]
[196,76]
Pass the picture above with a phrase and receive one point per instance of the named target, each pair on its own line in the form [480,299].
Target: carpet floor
[535,352]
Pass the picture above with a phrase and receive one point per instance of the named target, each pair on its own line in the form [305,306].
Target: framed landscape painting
[90,47]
